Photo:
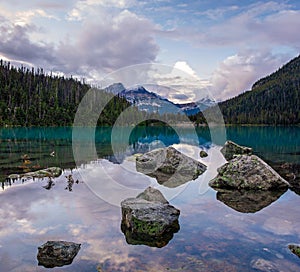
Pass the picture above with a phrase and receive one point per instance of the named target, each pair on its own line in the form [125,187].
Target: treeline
[29,97]
[273,100]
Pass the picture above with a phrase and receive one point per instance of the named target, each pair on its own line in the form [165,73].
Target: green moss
[150,228]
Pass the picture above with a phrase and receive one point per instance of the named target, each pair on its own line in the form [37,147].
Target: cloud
[183,66]
[238,72]
[83,9]
[178,83]
[218,13]
[15,44]
[180,97]
[109,44]
[257,25]
[94,49]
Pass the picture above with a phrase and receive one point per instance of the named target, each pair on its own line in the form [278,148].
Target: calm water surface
[212,235]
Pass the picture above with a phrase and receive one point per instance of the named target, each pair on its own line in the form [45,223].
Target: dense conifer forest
[29,97]
[273,100]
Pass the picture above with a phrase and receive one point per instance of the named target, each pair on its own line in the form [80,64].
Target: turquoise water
[212,236]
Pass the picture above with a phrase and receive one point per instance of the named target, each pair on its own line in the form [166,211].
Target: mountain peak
[115,88]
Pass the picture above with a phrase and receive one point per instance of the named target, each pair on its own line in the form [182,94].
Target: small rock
[230,149]
[248,173]
[57,253]
[295,249]
[203,154]
[264,265]
[153,195]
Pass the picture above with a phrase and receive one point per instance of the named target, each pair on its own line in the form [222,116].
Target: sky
[224,45]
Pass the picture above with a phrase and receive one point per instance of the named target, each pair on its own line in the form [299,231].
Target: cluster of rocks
[246,183]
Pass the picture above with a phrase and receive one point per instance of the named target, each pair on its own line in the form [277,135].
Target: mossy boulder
[149,219]
[295,249]
[170,167]
[230,149]
[203,154]
[248,173]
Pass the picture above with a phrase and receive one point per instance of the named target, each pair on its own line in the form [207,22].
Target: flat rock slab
[230,149]
[170,167]
[52,172]
[149,219]
[247,173]
[57,253]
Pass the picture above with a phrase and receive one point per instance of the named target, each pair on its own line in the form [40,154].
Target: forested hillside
[29,97]
[32,98]
[272,100]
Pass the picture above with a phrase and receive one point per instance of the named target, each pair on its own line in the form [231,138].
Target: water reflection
[48,147]
[271,143]
[212,236]
[248,201]
[138,239]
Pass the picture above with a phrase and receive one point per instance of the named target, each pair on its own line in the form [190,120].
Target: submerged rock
[295,249]
[248,173]
[57,253]
[230,149]
[149,219]
[248,201]
[264,265]
[170,167]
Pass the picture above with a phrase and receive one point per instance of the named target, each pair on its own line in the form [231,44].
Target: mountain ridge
[272,100]
[152,102]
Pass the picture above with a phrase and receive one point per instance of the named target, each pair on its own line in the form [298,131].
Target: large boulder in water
[230,149]
[247,173]
[57,253]
[170,167]
[149,219]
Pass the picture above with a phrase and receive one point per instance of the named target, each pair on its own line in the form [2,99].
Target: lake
[214,235]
